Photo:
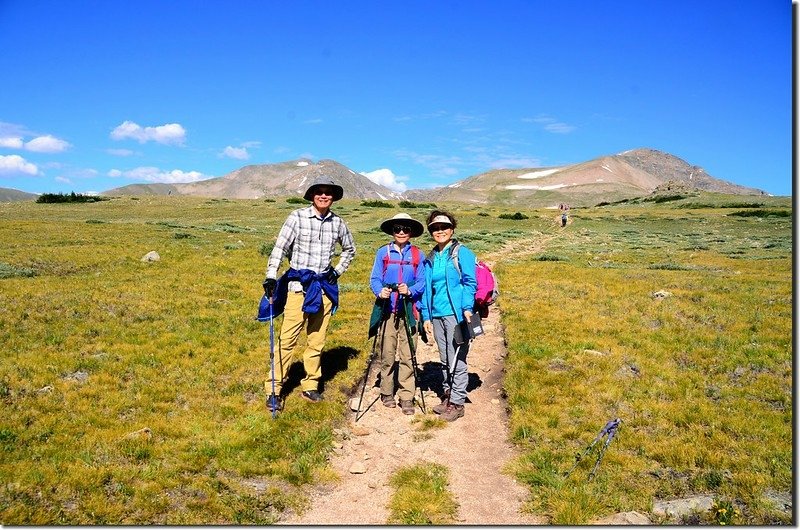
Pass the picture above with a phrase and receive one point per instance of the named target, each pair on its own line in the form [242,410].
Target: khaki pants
[294,321]
[394,344]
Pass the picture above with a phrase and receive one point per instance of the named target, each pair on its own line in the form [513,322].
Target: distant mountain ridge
[283,179]
[627,175]
[12,195]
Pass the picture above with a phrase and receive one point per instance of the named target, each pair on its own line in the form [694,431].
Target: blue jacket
[460,290]
[401,271]
[314,284]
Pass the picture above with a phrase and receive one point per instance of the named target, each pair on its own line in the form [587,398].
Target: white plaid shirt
[310,241]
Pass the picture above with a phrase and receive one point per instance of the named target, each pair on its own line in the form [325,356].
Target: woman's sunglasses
[401,228]
[439,227]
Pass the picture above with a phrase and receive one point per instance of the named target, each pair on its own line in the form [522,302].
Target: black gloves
[332,276]
[269,287]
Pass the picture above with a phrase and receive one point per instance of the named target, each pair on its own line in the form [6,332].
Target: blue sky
[100,94]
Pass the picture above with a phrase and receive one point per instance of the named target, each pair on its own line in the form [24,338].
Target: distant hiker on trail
[398,280]
[307,293]
[449,299]
[564,209]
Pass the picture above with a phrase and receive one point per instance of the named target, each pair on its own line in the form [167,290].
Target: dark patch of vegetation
[265,249]
[376,204]
[410,204]
[761,213]
[181,235]
[513,216]
[550,257]
[94,222]
[483,214]
[665,198]
[269,200]
[296,200]
[53,198]
[10,271]
[605,203]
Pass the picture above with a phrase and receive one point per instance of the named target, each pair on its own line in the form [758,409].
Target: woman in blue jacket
[448,299]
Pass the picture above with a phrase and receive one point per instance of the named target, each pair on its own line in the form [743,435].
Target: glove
[332,276]
[269,287]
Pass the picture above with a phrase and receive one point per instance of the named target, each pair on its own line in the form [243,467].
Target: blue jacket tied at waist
[314,285]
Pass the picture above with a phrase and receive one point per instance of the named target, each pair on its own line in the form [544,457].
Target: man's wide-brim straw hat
[403,219]
[337,190]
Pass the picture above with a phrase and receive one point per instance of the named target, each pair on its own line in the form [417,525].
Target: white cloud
[513,162]
[15,164]
[154,174]
[438,165]
[171,133]
[385,177]
[65,180]
[552,125]
[11,142]
[47,144]
[239,153]
[120,152]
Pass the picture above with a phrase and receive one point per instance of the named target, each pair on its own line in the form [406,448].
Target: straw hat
[403,219]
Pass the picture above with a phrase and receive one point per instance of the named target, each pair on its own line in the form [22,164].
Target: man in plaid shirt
[308,237]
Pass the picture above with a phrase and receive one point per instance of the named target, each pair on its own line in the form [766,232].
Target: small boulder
[358,468]
[151,256]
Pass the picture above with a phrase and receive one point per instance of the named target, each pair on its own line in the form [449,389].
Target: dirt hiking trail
[475,448]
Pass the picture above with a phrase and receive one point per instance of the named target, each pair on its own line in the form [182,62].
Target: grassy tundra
[132,393]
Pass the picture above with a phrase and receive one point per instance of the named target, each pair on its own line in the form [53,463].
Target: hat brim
[416,227]
[338,191]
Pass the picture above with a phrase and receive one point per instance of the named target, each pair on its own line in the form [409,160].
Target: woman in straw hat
[398,280]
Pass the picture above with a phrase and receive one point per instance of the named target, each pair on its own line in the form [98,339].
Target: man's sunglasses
[401,228]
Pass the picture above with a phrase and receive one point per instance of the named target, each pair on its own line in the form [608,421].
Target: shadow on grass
[332,362]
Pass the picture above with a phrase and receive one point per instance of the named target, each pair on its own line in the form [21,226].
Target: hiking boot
[388,401]
[274,403]
[407,406]
[311,395]
[442,407]
[453,412]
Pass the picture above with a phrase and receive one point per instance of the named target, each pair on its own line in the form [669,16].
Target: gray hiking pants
[453,357]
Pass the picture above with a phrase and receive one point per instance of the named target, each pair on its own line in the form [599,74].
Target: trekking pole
[272,397]
[609,430]
[612,431]
[369,363]
[413,349]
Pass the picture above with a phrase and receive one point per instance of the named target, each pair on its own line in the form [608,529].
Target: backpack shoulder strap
[454,248]
[415,257]
[386,257]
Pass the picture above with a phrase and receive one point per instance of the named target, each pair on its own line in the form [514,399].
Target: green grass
[702,379]
[421,496]
[99,345]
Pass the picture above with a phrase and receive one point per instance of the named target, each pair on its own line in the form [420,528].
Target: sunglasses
[324,191]
[439,227]
[401,228]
